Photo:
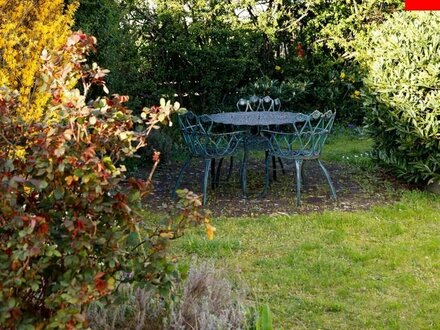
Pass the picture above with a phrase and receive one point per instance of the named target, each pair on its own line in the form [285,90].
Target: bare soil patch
[356,189]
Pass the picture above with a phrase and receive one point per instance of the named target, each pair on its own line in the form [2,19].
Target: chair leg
[208,162]
[243,174]
[213,173]
[327,175]
[281,165]
[231,164]
[274,168]
[217,174]
[179,177]
[267,175]
[303,173]
[298,165]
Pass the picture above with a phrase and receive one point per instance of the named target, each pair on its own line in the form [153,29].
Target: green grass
[348,149]
[378,269]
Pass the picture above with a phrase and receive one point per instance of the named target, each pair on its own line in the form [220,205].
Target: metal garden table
[261,119]
[256,118]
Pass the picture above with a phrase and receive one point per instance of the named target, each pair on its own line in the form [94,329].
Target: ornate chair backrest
[242,105]
[202,142]
[267,104]
[255,103]
[191,127]
[306,137]
[277,104]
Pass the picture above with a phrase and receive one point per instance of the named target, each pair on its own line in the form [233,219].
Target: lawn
[336,270]
[376,269]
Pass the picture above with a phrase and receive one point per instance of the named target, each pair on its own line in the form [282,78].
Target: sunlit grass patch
[370,269]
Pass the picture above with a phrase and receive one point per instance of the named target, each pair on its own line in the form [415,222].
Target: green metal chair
[304,141]
[255,141]
[203,143]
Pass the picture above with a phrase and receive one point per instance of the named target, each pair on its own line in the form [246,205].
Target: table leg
[243,169]
[274,168]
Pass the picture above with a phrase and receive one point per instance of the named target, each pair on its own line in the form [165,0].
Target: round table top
[256,118]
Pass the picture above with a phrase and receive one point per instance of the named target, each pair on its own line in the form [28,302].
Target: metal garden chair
[304,141]
[255,103]
[201,142]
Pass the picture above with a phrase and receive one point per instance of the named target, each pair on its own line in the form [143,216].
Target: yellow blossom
[356,94]
[19,152]
[111,284]
[28,27]
[277,67]
[210,231]
[167,234]
[342,75]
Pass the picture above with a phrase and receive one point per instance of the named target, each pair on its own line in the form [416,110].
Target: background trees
[203,52]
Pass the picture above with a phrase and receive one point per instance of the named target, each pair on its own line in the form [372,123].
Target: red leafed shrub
[69,219]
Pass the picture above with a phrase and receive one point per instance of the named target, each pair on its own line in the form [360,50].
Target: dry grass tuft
[140,309]
[208,302]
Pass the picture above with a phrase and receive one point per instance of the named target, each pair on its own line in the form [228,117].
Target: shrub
[69,218]
[402,63]
[208,302]
[26,28]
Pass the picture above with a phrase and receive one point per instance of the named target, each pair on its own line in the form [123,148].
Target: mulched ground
[356,189]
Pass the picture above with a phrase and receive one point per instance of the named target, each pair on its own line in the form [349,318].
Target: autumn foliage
[69,219]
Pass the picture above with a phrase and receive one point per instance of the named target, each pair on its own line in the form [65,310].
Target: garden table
[256,118]
[253,119]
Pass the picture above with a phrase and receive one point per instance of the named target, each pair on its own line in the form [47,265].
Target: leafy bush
[69,220]
[402,63]
[26,28]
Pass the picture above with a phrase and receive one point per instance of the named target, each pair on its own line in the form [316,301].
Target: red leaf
[79,224]
[100,285]
[43,229]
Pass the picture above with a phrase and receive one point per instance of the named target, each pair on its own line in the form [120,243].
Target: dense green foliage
[402,64]
[205,52]
[116,47]
[194,51]
[69,218]
[328,32]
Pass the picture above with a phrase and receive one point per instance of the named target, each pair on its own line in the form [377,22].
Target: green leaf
[79,173]
[59,193]
[264,321]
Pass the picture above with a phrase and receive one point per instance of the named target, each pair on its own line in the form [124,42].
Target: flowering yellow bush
[27,27]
